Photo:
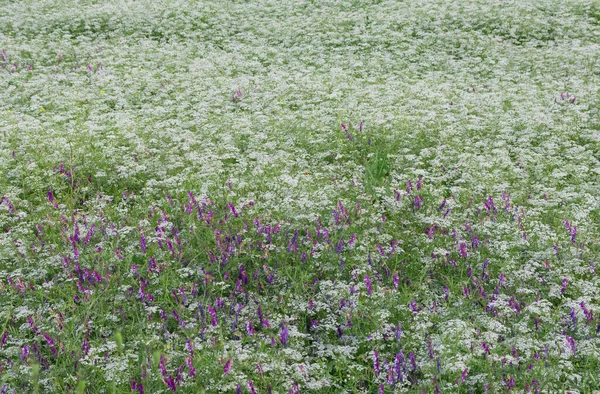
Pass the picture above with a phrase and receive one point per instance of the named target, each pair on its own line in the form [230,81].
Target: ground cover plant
[299,196]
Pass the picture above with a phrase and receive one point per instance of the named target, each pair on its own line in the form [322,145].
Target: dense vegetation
[297,196]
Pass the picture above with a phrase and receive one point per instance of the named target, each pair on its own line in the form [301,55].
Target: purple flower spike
[442,205]
[564,285]
[4,338]
[398,362]
[251,387]
[340,247]
[232,209]
[368,284]
[143,243]
[398,332]
[486,348]
[462,249]
[51,344]
[411,356]
[170,382]
[213,315]
[249,328]
[284,335]
[376,362]
[227,367]
[571,343]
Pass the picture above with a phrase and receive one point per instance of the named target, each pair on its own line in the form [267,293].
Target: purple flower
[486,348]
[24,353]
[5,200]
[227,367]
[368,284]
[340,247]
[284,335]
[376,362]
[589,315]
[232,209]
[442,205]
[413,306]
[430,349]
[170,382]
[249,328]
[51,344]
[352,239]
[4,338]
[417,201]
[143,243]
[573,317]
[213,315]
[163,368]
[462,249]
[398,362]
[251,387]
[564,285]
[238,389]
[571,343]
[463,376]
[411,356]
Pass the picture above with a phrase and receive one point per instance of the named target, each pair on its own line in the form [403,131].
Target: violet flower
[368,285]
[376,362]
[4,338]
[251,387]
[340,247]
[284,335]
[170,382]
[232,209]
[51,344]
[486,348]
[462,249]
[564,285]
[411,356]
[143,243]
[227,367]
[398,362]
[213,315]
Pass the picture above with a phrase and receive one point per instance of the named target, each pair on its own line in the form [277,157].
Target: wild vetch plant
[295,197]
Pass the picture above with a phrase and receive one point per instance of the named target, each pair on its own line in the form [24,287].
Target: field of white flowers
[300,196]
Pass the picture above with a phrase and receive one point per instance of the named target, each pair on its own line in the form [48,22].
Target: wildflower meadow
[300,196]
